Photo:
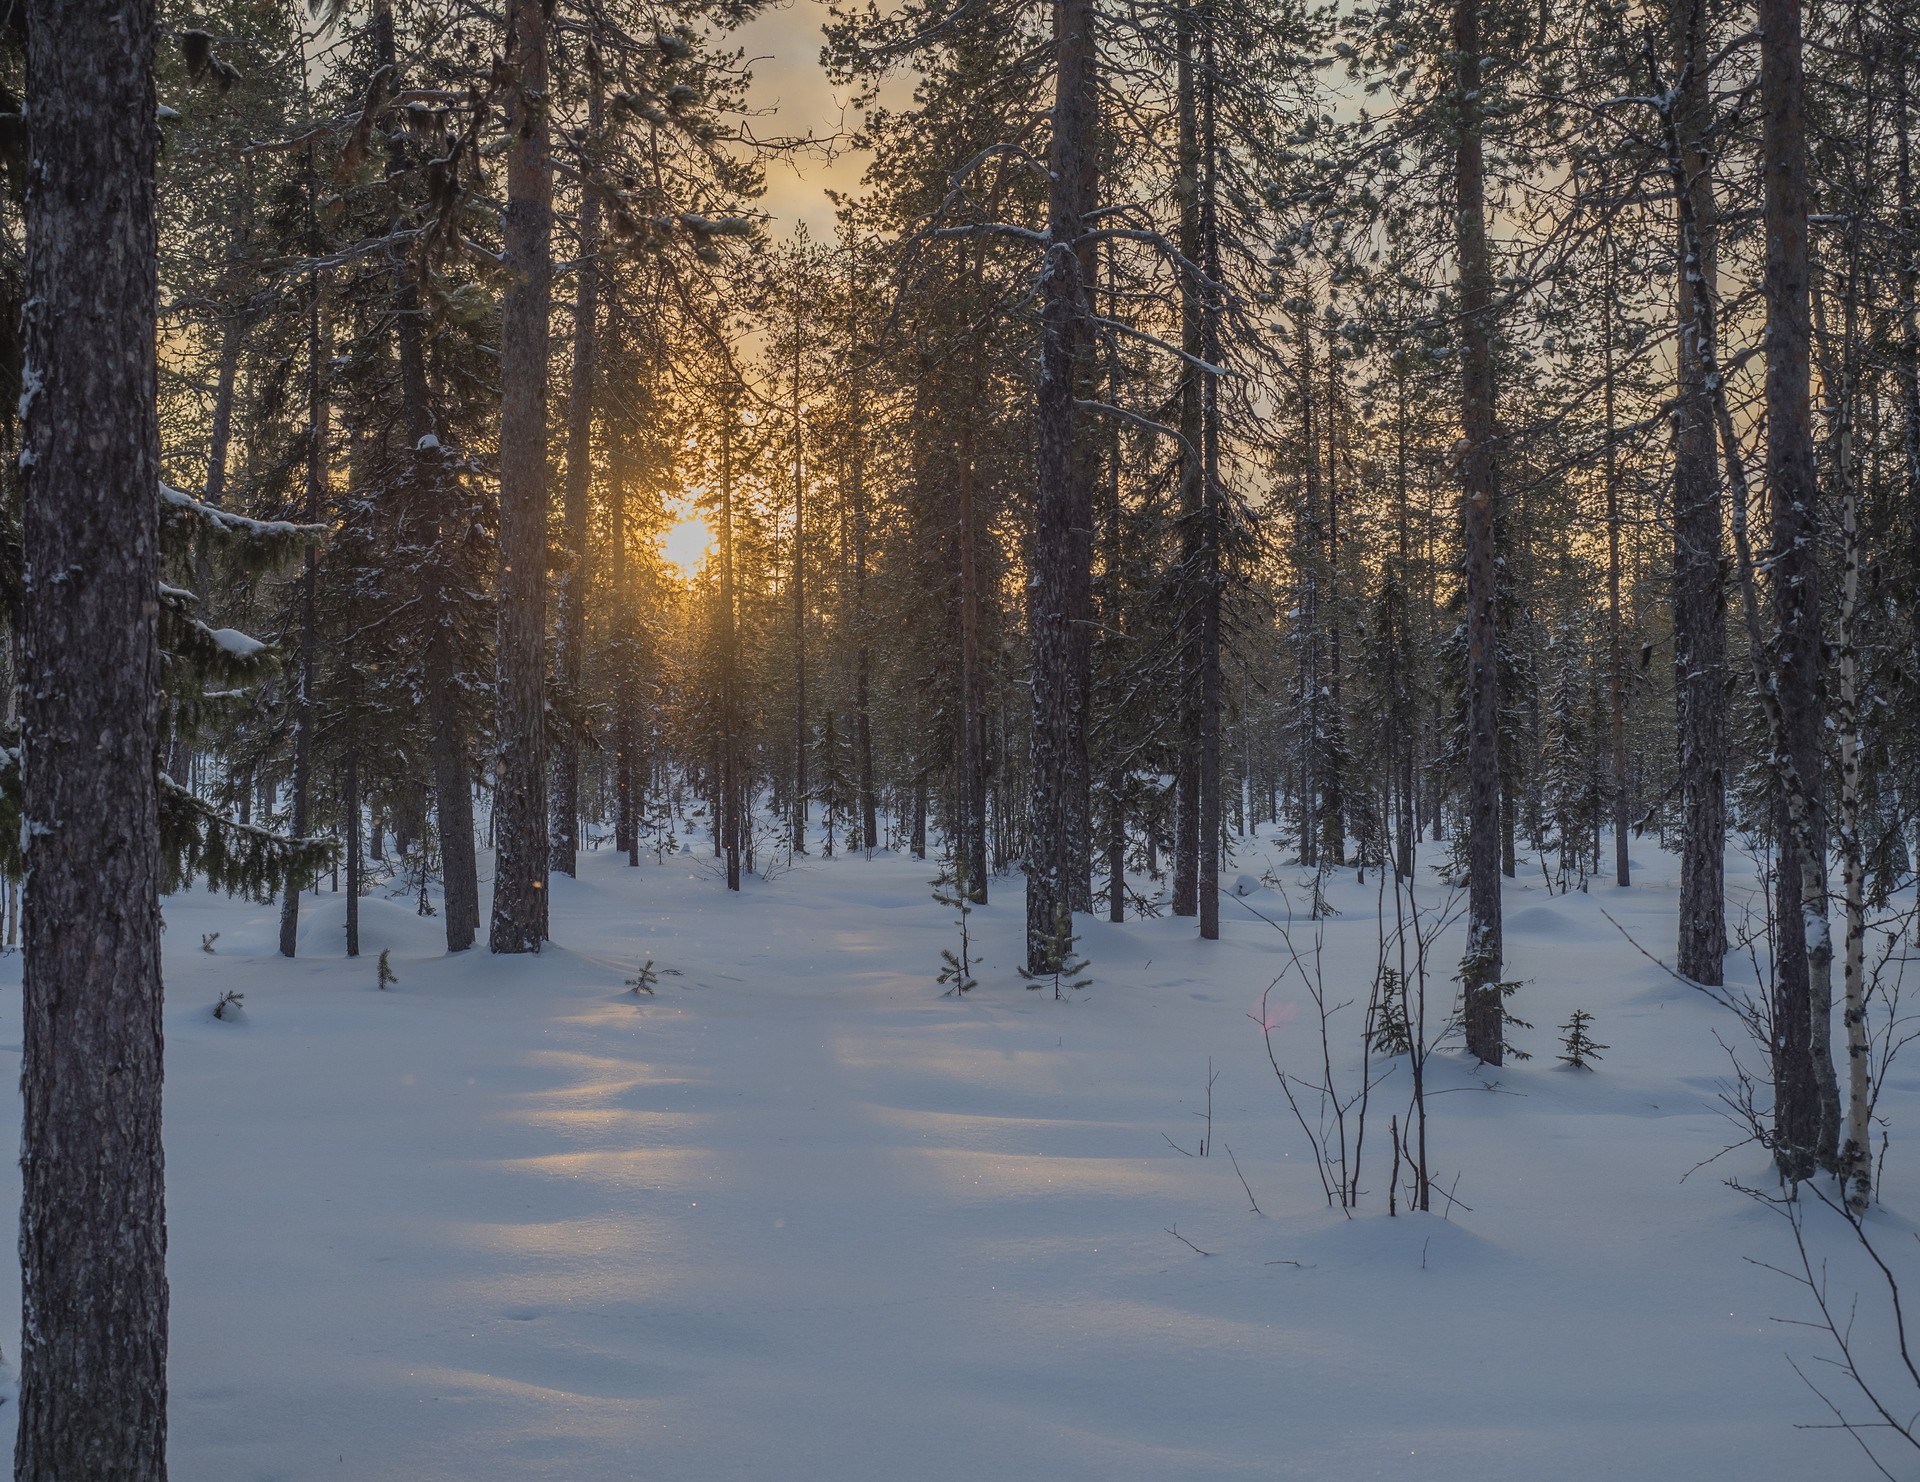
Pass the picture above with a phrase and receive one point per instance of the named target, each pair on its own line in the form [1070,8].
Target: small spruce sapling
[1391,1035]
[643,980]
[1068,970]
[207,939]
[230,1006]
[1509,1021]
[956,968]
[1579,1048]
[387,977]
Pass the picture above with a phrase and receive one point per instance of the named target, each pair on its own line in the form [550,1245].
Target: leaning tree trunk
[93,1356]
[1803,977]
[519,810]
[1062,592]
[1480,970]
[1699,631]
[576,578]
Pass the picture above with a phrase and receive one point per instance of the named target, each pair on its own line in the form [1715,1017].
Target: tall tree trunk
[857,493]
[1212,500]
[1063,556]
[93,1357]
[972,788]
[626,817]
[1806,1091]
[731,810]
[800,787]
[1616,650]
[576,573]
[350,821]
[427,499]
[1333,805]
[520,813]
[309,577]
[1699,633]
[1480,970]
[1188,577]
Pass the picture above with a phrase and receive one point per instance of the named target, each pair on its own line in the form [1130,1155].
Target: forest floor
[798,1216]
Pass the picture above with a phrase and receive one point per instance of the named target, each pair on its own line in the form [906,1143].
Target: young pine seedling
[643,980]
[957,967]
[387,976]
[1068,970]
[230,1006]
[1579,1049]
[207,939]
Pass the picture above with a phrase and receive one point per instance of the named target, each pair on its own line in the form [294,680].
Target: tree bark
[350,822]
[576,575]
[1699,632]
[425,496]
[316,477]
[1616,651]
[93,1359]
[1212,503]
[1188,575]
[519,921]
[1480,970]
[1062,598]
[1804,971]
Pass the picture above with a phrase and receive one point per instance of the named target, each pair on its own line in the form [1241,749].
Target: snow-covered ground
[799,1217]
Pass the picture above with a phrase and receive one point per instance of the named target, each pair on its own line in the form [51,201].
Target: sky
[783,46]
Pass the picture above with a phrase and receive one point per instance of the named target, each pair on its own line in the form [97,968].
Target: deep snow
[800,1217]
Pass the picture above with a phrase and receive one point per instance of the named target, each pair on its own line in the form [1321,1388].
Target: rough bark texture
[576,575]
[801,788]
[425,495]
[1480,971]
[93,1359]
[520,804]
[1212,512]
[626,819]
[1699,631]
[970,824]
[731,810]
[1062,597]
[303,678]
[1186,698]
[1805,1090]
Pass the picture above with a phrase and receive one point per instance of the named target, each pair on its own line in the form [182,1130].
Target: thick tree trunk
[1616,651]
[1480,970]
[1188,577]
[857,495]
[971,790]
[93,1239]
[576,578]
[426,497]
[1806,1091]
[1062,600]
[519,921]
[626,813]
[1699,632]
[1212,506]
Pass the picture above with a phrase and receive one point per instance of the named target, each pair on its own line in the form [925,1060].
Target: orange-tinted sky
[783,45]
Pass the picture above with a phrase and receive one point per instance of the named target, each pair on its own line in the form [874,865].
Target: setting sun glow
[685,545]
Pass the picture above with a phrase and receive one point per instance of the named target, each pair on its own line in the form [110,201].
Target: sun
[685,546]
